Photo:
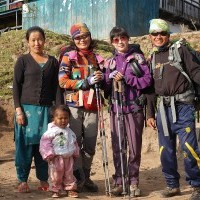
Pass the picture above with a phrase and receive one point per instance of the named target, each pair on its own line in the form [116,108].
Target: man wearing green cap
[175,115]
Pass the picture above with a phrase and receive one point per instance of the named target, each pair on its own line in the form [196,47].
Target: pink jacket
[57,141]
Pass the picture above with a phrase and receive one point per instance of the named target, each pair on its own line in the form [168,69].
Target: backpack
[63,50]
[175,58]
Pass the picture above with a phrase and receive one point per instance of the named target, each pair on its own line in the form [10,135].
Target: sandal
[72,193]
[44,186]
[23,187]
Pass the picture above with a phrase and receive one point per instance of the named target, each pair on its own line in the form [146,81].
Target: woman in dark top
[34,91]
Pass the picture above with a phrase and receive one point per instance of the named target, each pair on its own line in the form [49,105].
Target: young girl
[58,146]
[125,109]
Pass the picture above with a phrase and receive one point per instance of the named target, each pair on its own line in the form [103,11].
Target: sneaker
[134,191]
[170,192]
[90,185]
[117,190]
[195,194]
[56,195]
[72,194]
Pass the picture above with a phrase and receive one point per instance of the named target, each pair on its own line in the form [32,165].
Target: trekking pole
[103,140]
[145,116]
[124,148]
[117,90]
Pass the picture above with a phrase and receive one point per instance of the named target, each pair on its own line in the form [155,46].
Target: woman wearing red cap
[79,73]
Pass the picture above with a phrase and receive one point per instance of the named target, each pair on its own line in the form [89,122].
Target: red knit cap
[79,28]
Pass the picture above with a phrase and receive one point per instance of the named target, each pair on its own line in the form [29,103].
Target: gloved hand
[92,80]
[113,74]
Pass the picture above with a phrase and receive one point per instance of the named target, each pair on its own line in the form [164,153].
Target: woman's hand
[151,122]
[95,78]
[20,118]
[98,75]
[118,76]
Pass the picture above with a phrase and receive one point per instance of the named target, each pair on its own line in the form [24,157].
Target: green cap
[158,25]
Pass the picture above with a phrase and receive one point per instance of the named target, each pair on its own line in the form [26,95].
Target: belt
[186,97]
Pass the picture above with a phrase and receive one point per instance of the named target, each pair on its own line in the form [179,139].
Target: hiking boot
[79,188]
[134,191]
[90,185]
[170,192]
[117,190]
[80,178]
[195,194]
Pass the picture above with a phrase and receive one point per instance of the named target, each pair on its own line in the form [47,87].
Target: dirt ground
[151,179]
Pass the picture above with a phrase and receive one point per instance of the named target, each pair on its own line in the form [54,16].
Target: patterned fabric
[79,28]
[158,25]
[74,69]
[41,64]
[37,118]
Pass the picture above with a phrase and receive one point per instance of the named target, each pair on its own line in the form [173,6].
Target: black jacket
[33,84]
[173,81]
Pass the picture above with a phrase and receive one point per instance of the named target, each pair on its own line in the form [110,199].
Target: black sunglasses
[163,33]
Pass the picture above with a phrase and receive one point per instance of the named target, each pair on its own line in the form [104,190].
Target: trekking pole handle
[96,85]
[118,86]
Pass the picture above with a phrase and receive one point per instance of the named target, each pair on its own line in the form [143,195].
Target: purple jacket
[132,85]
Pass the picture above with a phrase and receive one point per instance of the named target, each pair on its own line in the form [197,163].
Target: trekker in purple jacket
[126,109]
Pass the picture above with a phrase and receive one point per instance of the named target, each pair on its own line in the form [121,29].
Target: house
[10,14]
[99,15]
[181,13]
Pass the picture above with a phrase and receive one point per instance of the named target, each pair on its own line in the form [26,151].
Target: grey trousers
[85,125]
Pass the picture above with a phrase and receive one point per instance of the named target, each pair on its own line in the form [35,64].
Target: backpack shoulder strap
[175,59]
[136,69]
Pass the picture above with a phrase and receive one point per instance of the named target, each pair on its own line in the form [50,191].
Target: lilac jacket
[53,144]
[132,85]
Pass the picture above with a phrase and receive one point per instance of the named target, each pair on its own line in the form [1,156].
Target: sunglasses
[83,37]
[116,40]
[163,33]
